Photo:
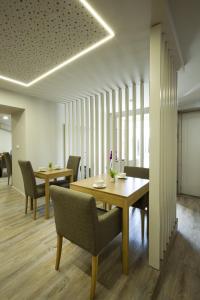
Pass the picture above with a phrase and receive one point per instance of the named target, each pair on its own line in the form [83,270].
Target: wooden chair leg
[142,213]
[8,180]
[26,204]
[109,206]
[104,205]
[59,251]
[31,202]
[34,208]
[94,276]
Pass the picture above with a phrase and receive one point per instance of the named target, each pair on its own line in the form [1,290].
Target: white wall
[5,141]
[36,131]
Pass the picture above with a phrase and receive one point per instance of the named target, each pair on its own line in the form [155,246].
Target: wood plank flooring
[27,256]
[180,279]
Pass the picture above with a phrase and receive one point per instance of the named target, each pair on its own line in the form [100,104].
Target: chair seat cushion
[40,189]
[62,183]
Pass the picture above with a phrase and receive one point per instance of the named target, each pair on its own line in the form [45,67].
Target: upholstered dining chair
[78,220]
[8,161]
[73,163]
[31,189]
[143,202]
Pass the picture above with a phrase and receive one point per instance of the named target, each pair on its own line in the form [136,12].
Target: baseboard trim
[19,191]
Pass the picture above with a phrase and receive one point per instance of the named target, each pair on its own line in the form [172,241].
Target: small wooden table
[122,193]
[52,174]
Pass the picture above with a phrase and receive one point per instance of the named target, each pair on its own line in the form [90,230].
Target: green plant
[50,165]
[112,173]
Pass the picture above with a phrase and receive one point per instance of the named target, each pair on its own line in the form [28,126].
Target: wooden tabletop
[53,173]
[122,187]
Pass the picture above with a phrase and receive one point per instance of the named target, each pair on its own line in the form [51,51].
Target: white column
[154,203]
[92,135]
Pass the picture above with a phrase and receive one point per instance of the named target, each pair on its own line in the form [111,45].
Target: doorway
[189,153]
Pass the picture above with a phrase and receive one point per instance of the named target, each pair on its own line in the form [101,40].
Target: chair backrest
[73,163]
[76,217]
[28,178]
[8,161]
[137,172]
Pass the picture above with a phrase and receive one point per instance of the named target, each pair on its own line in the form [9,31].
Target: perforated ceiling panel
[38,35]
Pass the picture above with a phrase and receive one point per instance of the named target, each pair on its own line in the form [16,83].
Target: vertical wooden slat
[108,146]
[141,124]
[96,135]
[120,128]
[126,125]
[87,136]
[92,135]
[134,123]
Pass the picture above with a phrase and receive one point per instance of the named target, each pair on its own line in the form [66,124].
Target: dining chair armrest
[110,225]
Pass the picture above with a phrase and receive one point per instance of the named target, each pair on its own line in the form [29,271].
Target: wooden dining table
[122,193]
[47,175]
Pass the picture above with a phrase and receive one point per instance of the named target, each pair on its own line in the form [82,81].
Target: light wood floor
[27,256]
[180,279]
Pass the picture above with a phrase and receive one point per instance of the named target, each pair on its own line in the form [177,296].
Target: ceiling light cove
[38,40]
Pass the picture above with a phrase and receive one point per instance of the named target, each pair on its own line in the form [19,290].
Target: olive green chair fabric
[78,220]
[143,202]
[31,189]
[8,161]
[73,163]
[143,173]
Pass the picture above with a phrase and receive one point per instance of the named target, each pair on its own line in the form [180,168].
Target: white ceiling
[122,59]
[36,36]
[187,22]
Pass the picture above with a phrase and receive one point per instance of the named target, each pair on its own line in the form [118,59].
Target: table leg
[125,238]
[46,198]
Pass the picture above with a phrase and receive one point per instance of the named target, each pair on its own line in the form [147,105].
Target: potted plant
[112,174]
[50,165]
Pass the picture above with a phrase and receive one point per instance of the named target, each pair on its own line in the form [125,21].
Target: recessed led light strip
[73,58]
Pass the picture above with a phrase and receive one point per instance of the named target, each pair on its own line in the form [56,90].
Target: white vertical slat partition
[126,125]
[102,133]
[120,128]
[141,124]
[82,138]
[163,149]
[96,134]
[134,122]
[113,130]
[67,124]
[87,126]
[92,135]
[108,146]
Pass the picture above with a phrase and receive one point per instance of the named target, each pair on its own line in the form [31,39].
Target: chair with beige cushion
[8,161]
[78,220]
[31,189]
[73,163]
[143,202]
